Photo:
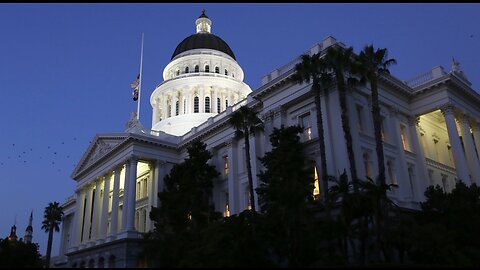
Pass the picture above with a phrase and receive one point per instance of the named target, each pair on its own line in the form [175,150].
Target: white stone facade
[431,132]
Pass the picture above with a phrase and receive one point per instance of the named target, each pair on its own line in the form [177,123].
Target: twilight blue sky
[65,71]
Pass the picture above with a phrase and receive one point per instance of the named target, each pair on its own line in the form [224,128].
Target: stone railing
[435,73]
[440,166]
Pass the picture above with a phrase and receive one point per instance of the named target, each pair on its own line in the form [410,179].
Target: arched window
[218,105]
[226,103]
[217,70]
[186,69]
[207,68]
[207,104]
[196,68]
[101,262]
[91,263]
[195,105]
[226,72]
[233,75]
[177,107]
[111,261]
[177,72]
[184,106]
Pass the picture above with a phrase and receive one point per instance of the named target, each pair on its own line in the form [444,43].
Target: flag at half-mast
[134,85]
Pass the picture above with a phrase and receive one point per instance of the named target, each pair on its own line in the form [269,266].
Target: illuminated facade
[431,136]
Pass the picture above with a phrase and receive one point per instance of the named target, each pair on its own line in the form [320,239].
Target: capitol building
[431,133]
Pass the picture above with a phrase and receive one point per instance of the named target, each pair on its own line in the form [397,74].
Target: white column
[472,160]
[232,179]
[253,163]
[332,124]
[174,105]
[164,107]
[476,135]
[201,97]
[115,204]
[422,180]
[131,177]
[401,163]
[155,180]
[87,214]
[75,233]
[355,133]
[106,194]
[155,112]
[152,187]
[96,210]
[459,157]
[215,109]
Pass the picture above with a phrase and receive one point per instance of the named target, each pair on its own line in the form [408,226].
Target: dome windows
[207,104]
[186,70]
[207,68]
[217,70]
[195,105]
[196,68]
[226,72]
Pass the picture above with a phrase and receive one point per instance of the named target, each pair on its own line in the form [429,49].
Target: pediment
[99,147]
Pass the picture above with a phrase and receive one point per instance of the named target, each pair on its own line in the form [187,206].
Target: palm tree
[340,61]
[373,63]
[52,218]
[246,123]
[312,68]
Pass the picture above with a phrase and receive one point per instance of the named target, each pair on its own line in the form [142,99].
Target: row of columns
[466,162]
[91,225]
[162,103]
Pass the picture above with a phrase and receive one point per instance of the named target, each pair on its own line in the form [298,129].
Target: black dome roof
[203,40]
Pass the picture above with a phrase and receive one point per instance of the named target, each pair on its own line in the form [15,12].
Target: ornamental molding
[447,108]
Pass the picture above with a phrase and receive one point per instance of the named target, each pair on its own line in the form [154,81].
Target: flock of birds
[54,155]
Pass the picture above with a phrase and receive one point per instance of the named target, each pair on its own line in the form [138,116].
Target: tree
[17,254]
[341,62]
[312,68]
[52,218]
[448,233]
[285,190]
[246,122]
[373,64]
[185,210]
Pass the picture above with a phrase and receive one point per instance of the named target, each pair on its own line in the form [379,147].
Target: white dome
[198,83]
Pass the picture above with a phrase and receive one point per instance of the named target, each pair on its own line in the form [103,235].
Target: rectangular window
[391,173]
[304,122]
[316,189]
[404,137]
[226,213]
[367,163]
[225,166]
[360,118]
[446,186]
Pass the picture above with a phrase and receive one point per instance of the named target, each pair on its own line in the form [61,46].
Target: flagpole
[140,83]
